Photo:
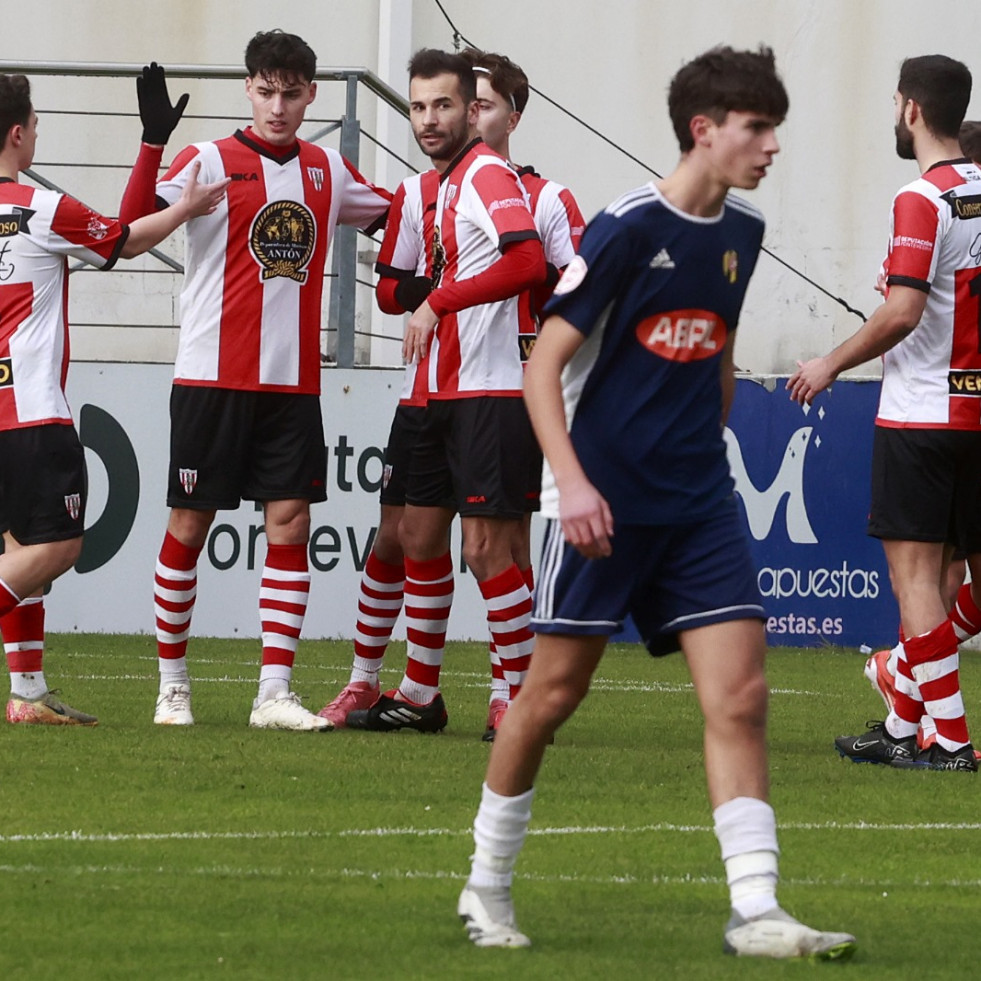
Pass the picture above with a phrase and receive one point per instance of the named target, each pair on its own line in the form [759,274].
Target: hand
[810,379]
[201,199]
[419,329]
[158,116]
[586,519]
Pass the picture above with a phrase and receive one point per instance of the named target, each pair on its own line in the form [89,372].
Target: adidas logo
[662,260]
[400,716]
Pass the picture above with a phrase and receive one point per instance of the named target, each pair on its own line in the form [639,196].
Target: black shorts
[43,484]
[398,452]
[476,453]
[926,486]
[533,487]
[227,446]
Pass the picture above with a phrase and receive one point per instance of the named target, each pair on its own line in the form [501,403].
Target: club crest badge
[97,228]
[730,265]
[316,175]
[188,479]
[73,505]
[282,240]
[437,258]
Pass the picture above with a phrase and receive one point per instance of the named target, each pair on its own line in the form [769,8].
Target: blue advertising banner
[802,475]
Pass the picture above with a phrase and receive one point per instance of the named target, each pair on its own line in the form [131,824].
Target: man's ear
[701,130]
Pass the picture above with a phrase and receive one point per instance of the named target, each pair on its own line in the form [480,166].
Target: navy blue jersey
[657,292]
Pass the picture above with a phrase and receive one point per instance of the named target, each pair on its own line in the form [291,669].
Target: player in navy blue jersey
[628,388]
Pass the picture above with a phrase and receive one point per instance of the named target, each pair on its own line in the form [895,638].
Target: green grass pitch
[134,851]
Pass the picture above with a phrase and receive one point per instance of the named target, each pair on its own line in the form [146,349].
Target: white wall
[826,199]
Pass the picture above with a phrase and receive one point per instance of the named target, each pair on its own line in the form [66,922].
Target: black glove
[158,116]
[410,293]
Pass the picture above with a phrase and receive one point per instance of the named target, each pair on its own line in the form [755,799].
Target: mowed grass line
[137,851]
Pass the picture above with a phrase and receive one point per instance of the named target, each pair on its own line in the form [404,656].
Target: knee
[287,525]
[190,527]
[386,545]
[70,554]
[556,702]
[487,553]
[744,704]
[59,557]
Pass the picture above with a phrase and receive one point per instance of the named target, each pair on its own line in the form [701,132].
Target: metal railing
[342,300]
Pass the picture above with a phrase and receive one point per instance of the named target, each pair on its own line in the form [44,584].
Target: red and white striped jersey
[560,225]
[932,378]
[251,302]
[558,219]
[480,208]
[39,229]
[407,251]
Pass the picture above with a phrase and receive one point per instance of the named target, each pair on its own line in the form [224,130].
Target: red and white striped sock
[428,598]
[509,616]
[934,661]
[8,599]
[283,597]
[23,642]
[379,604]
[500,689]
[175,588]
[907,709]
[965,615]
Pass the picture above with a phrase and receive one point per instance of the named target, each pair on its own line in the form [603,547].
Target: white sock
[28,684]
[173,671]
[274,682]
[747,832]
[498,832]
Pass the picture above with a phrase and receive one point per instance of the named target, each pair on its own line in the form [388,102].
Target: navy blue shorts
[669,578]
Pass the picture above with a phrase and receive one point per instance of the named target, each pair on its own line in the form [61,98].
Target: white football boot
[286,712]
[777,934]
[488,915]
[174,707]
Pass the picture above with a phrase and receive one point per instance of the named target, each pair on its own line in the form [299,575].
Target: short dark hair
[941,87]
[724,80]
[507,79]
[969,138]
[430,62]
[275,52]
[15,104]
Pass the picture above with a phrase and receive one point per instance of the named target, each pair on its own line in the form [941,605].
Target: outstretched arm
[195,200]
[159,119]
[896,318]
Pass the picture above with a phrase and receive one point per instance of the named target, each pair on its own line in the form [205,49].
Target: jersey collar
[446,173]
[276,154]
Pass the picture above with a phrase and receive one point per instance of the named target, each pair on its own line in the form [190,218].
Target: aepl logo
[683,335]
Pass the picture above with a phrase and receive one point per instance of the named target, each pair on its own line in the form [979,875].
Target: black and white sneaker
[389,714]
[938,758]
[877,746]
